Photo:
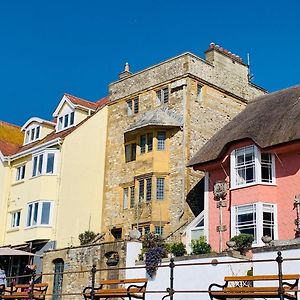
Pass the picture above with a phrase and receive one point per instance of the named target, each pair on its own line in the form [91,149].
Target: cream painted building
[54,180]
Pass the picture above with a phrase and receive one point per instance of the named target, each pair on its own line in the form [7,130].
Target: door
[58,278]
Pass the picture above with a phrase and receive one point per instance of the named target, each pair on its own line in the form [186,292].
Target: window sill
[38,226]
[65,128]
[13,229]
[252,184]
[41,175]
[18,182]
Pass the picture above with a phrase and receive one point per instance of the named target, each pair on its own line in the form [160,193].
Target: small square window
[20,173]
[159,230]
[136,105]
[161,141]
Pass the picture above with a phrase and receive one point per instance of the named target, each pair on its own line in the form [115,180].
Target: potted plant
[243,242]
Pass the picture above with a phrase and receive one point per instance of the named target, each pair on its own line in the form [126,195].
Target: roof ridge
[66,94]
[10,124]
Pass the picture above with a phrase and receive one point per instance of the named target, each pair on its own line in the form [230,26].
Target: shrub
[200,246]
[177,249]
[243,242]
[87,237]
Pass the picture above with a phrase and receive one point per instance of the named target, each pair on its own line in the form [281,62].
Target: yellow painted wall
[75,190]
[43,187]
[4,190]
[80,190]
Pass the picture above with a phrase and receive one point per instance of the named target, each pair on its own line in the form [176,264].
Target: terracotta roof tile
[82,102]
[11,138]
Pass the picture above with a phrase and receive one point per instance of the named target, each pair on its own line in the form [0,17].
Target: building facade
[55,178]
[157,118]
[255,160]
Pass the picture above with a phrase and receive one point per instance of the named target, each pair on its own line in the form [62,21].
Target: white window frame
[15,222]
[260,207]
[162,96]
[20,172]
[257,169]
[61,121]
[29,218]
[42,170]
[32,134]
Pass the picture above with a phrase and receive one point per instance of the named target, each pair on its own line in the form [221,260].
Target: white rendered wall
[190,278]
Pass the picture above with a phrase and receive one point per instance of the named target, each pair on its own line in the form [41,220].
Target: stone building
[157,118]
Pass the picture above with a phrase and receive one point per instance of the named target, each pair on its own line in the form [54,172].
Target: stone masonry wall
[203,115]
[77,261]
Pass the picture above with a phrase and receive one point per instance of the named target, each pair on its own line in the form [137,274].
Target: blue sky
[78,47]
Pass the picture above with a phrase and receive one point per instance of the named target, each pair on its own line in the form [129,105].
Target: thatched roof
[268,120]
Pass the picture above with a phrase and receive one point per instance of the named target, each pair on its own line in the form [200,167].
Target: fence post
[172,266]
[279,260]
[30,290]
[170,290]
[94,270]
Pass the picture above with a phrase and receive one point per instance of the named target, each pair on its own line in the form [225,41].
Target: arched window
[58,278]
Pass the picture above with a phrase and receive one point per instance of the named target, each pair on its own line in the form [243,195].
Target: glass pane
[149,189]
[160,182]
[127,153]
[72,118]
[37,132]
[132,196]
[29,216]
[40,164]
[133,151]
[35,213]
[66,122]
[141,190]
[150,141]
[129,108]
[34,168]
[143,143]
[161,137]
[45,213]
[50,163]
[196,233]
[166,95]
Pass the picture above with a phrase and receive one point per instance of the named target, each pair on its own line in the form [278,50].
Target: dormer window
[32,134]
[65,121]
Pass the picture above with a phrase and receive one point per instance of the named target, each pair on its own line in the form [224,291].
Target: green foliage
[177,249]
[243,242]
[152,240]
[200,246]
[87,237]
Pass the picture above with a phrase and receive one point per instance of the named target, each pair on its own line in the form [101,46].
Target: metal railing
[170,290]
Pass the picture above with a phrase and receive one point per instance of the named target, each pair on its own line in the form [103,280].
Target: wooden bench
[25,291]
[243,287]
[116,288]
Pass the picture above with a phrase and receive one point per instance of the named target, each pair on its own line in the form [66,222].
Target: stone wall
[223,95]
[78,262]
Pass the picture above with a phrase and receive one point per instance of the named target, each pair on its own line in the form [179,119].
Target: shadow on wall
[195,198]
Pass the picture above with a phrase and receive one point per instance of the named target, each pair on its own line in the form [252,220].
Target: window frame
[161,147]
[40,163]
[32,134]
[15,222]
[125,197]
[20,172]
[257,168]
[260,208]
[130,152]
[65,121]
[35,210]
[162,95]
[160,194]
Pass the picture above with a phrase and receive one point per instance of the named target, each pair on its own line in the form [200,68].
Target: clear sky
[51,47]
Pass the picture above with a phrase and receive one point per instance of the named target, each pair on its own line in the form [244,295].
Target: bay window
[249,165]
[39,213]
[257,219]
[44,163]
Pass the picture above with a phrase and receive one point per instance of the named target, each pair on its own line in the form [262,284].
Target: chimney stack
[126,71]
